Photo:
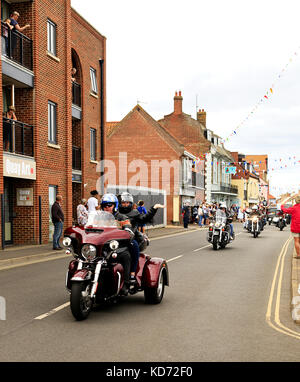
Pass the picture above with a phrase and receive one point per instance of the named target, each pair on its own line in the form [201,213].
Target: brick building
[190,133]
[55,144]
[148,158]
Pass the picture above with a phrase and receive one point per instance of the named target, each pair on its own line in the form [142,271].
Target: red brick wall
[52,81]
[139,139]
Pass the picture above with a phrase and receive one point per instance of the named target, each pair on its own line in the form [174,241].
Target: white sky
[227,53]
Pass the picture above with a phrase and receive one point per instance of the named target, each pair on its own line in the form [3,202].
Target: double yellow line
[277,325]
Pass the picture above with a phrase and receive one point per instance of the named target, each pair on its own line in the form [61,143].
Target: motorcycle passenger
[136,219]
[109,203]
[224,213]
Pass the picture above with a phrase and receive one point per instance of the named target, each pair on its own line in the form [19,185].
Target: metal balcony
[17,137]
[76,158]
[16,46]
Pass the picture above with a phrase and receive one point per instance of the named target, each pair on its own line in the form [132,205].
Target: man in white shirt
[92,202]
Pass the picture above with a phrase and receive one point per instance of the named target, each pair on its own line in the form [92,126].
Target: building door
[8,213]
[52,198]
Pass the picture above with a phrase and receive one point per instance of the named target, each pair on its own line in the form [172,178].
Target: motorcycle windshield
[101,219]
[220,218]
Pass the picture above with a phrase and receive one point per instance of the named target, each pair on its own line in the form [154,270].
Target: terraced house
[55,142]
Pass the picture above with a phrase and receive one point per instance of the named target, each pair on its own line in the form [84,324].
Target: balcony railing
[17,137]
[76,158]
[224,187]
[16,46]
[76,94]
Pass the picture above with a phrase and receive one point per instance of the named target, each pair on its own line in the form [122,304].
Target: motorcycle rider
[222,211]
[109,203]
[279,213]
[136,219]
[255,212]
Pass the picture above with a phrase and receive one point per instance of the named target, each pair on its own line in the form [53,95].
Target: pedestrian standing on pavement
[57,216]
[186,215]
[82,212]
[92,202]
[200,214]
[295,223]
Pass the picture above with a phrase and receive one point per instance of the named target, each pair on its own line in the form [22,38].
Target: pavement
[295,288]
[15,256]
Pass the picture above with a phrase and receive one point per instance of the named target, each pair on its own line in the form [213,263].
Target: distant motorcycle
[218,232]
[281,223]
[254,225]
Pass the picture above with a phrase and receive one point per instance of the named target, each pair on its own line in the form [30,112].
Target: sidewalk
[295,288]
[21,255]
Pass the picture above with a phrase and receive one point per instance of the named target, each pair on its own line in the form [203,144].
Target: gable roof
[165,135]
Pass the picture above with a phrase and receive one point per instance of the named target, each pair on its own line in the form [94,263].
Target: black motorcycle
[281,223]
[254,225]
[219,232]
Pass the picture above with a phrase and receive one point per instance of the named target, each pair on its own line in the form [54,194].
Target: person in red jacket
[295,223]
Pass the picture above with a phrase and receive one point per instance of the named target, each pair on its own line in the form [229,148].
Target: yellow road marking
[284,329]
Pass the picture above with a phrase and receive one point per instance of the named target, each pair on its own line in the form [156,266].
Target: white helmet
[223,205]
[254,208]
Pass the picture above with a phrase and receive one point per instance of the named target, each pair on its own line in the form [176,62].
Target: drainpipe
[102,127]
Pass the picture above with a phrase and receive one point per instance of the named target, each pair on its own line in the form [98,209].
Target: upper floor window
[51,33]
[93,144]
[94,87]
[52,122]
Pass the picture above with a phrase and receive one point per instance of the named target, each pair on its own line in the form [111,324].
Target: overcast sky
[227,54]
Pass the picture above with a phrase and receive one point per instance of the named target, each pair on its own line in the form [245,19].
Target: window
[94,87]
[93,144]
[51,29]
[52,128]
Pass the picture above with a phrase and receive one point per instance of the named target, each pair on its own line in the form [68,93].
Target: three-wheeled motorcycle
[95,275]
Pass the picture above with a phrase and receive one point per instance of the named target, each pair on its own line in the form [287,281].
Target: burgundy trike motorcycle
[96,276]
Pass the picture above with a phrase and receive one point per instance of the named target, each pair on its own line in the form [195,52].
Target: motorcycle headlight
[217,224]
[88,251]
[114,244]
[67,241]
[255,220]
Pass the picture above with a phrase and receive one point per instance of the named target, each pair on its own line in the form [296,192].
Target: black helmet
[125,197]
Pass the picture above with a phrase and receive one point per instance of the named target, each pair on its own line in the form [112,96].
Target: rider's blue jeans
[135,254]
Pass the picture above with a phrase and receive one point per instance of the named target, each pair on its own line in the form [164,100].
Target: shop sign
[17,167]
[230,170]
[25,197]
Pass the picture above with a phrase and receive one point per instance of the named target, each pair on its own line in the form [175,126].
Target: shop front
[18,200]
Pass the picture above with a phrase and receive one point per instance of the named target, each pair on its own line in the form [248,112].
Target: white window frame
[93,75]
[51,37]
[93,135]
[52,122]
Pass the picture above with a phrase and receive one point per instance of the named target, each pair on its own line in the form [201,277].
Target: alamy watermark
[2,309]
[154,174]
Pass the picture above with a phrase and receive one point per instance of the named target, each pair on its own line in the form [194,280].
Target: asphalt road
[214,310]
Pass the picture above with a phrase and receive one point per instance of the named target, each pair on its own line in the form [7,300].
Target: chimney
[201,117]
[178,103]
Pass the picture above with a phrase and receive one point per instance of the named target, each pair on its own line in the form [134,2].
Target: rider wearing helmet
[136,219]
[226,214]
[109,203]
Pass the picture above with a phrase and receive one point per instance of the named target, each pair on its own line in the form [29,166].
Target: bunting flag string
[265,97]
